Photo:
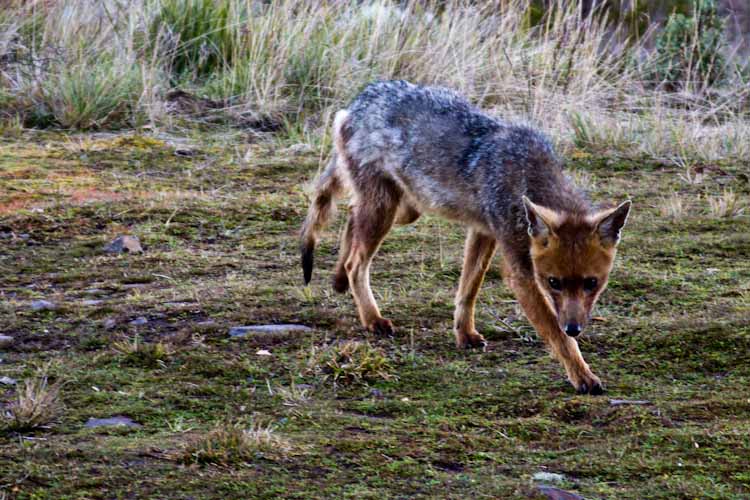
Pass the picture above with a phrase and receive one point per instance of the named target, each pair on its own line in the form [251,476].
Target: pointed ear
[542,221]
[609,223]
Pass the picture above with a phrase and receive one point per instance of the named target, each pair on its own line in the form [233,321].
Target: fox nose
[573,329]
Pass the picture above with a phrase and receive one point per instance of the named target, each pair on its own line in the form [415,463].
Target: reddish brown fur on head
[572,255]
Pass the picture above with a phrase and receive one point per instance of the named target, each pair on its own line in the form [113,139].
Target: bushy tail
[323,206]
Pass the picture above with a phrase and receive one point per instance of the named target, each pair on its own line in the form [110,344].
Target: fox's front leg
[478,253]
[564,348]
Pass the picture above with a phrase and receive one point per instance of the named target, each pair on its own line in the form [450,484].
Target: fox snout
[573,322]
[573,329]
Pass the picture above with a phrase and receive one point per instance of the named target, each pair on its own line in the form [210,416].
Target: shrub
[232,443]
[689,49]
[36,405]
[350,362]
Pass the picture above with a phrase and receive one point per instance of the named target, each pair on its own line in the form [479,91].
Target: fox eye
[554,283]
[589,284]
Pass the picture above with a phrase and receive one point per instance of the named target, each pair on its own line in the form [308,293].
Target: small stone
[133,286]
[244,331]
[117,421]
[5,341]
[557,494]
[548,477]
[43,305]
[263,352]
[91,302]
[7,381]
[376,393]
[623,402]
[139,321]
[110,323]
[124,244]
[208,322]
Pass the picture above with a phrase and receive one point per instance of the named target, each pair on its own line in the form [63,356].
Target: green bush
[198,36]
[689,51]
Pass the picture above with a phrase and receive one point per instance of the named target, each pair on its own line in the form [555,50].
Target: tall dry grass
[90,64]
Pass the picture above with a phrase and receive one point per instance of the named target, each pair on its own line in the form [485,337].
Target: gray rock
[7,381]
[548,477]
[91,302]
[623,402]
[124,244]
[244,331]
[557,494]
[139,321]
[117,421]
[43,305]
[133,286]
[5,341]
[110,323]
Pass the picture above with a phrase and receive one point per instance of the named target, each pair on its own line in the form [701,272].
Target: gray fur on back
[451,158]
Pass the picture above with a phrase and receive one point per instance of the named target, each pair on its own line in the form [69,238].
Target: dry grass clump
[37,405]
[726,205]
[135,352]
[350,362]
[672,206]
[228,444]
[294,395]
[91,64]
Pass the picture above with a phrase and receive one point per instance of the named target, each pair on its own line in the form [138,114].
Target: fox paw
[466,340]
[382,326]
[589,384]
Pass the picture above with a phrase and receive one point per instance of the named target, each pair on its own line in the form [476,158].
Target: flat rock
[551,493]
[91,302]
[124,244]
[139,321]
[5,341]
[7,381]
[111,422]
[624,402]
[43,305]
[110,323]
[548,477]
[244,331]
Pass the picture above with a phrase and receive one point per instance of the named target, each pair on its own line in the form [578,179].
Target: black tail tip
[308,253]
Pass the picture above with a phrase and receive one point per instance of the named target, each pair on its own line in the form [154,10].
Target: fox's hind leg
[478,253]
[564,348]
[372,217]
[340,278]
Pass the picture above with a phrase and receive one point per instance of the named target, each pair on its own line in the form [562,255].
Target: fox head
[572,256]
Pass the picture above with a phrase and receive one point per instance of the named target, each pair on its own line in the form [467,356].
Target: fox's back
[445,154]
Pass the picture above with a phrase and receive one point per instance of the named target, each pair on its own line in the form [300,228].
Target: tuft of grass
[350,362]
[135,352]
[726,205]
[294,395]
[37,405]
[229,444]
[672,207]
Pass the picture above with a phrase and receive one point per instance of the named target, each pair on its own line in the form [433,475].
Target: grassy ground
[218,217]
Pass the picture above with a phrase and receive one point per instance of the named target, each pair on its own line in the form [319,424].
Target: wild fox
[402,149]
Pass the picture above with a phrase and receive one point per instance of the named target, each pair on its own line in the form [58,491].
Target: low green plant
[350,362]
[689,51]
[228,444]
